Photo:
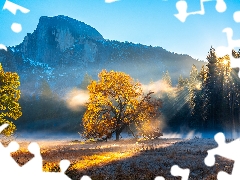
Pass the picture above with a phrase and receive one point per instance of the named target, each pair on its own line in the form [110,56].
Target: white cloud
[110,1]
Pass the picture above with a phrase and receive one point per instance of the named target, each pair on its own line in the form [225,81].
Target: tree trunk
[117,134]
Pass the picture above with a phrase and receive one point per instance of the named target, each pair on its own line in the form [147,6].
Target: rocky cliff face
[61,50]
[55,37]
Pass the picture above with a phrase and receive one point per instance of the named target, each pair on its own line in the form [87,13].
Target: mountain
[61,50]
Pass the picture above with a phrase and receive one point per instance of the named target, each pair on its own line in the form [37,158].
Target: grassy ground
[128,159]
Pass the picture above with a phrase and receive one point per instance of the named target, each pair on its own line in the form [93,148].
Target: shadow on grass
[155,158]
[133,160]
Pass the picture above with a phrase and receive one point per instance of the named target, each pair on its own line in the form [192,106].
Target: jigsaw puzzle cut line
[33,168]
[227,150]
[182,7]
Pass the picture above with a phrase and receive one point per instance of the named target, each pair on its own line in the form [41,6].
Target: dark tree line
[47,111]
[208,100]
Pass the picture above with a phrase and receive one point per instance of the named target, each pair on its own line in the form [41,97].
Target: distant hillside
[61,50]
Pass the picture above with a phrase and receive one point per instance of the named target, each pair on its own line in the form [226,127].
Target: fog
[159,87]
[76,99]
[46,136]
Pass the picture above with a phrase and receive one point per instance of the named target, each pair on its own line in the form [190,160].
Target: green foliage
[214,95]
[208,100]
[181,82]
[167,79]
[45,91]
[9,96]
[47,115]
[193,85]
[47,103]
[86,81]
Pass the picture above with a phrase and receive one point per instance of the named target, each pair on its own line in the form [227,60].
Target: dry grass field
[128,159]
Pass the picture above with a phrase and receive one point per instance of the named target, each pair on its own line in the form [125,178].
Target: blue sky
[149,22]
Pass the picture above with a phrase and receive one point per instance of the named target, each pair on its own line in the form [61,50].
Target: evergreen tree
[47,102]
[181,82]
[168,97]
[45,90]
[167,79]
[216,91]
[209,94]
[203,75]
[193,85]
[213,97]
[85,82]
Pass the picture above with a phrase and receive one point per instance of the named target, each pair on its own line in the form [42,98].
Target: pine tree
[46,91]
[85,82]
[167,79]
[216,92]
[47,102]
[181,82]
[203,74]
[210,93]
[193,85]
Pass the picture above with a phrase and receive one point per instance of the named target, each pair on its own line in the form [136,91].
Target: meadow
[128,159]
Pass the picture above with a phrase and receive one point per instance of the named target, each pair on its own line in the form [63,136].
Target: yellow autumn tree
[9,96]
[116,102]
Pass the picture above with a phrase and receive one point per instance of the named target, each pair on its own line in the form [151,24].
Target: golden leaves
[9,96]
[116,101]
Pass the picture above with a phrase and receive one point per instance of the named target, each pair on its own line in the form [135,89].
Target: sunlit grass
[128,159]
[51,167]
[90,161]
[100,159]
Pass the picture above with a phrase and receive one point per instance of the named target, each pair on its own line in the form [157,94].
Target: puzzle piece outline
[33,168]
[227,150]
[182,7]
[224,50]
[13,8]
[221,6]
[177,171]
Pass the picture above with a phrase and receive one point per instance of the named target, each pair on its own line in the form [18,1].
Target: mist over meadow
[58,61]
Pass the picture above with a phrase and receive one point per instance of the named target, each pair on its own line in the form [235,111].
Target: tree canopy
[116,102]
[9,96]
